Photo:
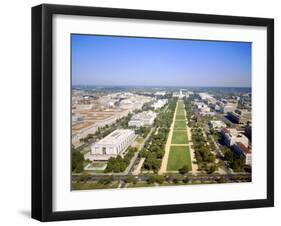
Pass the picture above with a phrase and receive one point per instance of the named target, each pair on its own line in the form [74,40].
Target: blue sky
[125,61]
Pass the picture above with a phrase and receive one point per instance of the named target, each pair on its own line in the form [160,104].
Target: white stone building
[207,97]
[160,103]
[217,124]
[227,106]
[203,108]
[145,118]
[200,105]
[160,93]
[116,143]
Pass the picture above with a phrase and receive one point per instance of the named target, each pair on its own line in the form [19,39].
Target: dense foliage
[184,169]
[77,161]
[154,148]
[235,161]
[204,157]
[119,164]
[159,179]
[142,131]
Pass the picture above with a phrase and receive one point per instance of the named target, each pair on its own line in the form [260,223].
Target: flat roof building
[200,105]
[217,124]
[116,143]
[240,116]
[145,118]
[227,106]
[241,149]
[159,104]
[203,108]
[207,97]
[232,137]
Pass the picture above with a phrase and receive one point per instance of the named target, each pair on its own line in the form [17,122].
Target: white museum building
[145,118]
[112,145]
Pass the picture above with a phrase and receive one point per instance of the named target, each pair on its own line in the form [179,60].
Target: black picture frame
[42,111]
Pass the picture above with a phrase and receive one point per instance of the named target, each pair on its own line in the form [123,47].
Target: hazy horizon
[152,62]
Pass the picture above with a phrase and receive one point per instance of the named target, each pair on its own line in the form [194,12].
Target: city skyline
[127,61]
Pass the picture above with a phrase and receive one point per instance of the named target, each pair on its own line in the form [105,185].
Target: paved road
[200,177]
[136,160]
[137,169]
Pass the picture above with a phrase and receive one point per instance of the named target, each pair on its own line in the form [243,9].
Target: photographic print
[139,112]
[150,112]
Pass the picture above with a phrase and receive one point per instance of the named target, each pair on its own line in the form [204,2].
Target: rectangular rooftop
[115,136]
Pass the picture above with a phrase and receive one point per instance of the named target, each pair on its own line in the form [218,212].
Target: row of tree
[188,109]
[142,131]
[77,161]
[203,148]
[154,149]
[160,179]
[155,179]
[119,164]
[204,157]
[235,160]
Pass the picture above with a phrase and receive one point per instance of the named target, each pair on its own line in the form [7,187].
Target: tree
[160,153]
[221,180]
[184,169]
[77,161]
[106,180]
[228,124]
[236,161]
[151,179]
[211,158]
[143,153]
[119,164]
[85,177]
[185,180]
[159,179]
[211,168]
[151,162]
[130,179]
[175,180]
[225,150]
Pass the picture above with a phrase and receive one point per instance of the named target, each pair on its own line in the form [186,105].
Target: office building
[145,118]
[116,143]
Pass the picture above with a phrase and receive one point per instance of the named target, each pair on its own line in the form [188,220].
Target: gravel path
[164,163]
